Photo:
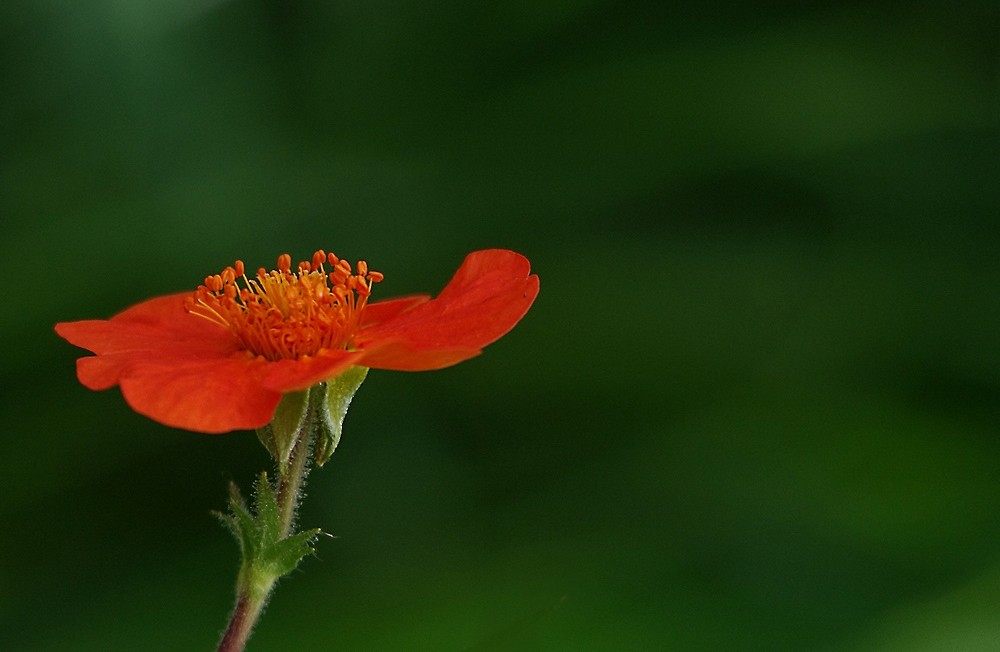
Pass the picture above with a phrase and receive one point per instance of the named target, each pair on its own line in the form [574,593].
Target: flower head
[220,358]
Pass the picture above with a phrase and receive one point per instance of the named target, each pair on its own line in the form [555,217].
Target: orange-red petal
[99,372]
[381,311]
[157,329]
[401,355]
[488,295]
[204,395]
[161,325]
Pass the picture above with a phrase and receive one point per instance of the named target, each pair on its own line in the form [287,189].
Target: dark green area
[756,405]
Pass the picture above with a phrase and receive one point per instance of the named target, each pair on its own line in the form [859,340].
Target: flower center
[283,314]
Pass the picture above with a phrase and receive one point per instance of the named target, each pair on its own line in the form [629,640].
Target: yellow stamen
[283,314]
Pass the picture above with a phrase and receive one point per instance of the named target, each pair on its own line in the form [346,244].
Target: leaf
[268,518]
[285,555]
[267,555]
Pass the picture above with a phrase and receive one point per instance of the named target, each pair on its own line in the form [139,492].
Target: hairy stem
[290,483]
[254,586]
[241,624]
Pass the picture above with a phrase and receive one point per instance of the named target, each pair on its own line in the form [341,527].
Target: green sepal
[337,397]
[266,555]
[280,435]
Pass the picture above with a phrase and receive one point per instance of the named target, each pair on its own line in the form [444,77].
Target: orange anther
[339,275]
[288,312]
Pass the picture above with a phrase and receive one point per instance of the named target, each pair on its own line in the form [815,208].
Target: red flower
[220,359]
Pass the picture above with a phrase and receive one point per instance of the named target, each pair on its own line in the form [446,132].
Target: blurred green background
[755,406]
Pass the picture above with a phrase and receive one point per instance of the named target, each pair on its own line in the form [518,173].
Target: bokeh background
[756,405]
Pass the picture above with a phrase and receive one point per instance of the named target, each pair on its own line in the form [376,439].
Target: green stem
[254,588]
[290,482]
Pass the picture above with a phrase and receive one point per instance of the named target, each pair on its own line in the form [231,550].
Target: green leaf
[280,435]
[266,554]
[285,555]
[332,410]
[268,518]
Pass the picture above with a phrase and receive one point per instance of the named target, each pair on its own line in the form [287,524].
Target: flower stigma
[282,314]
